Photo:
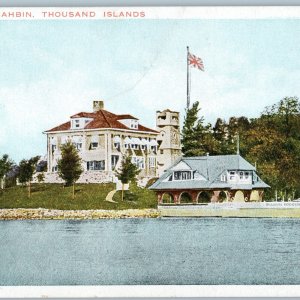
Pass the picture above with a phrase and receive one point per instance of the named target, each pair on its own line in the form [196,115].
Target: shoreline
[55,214]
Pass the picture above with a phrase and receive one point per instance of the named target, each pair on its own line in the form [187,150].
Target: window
[94,145]
[76,123]
[117,146]
[153,148]
[114,161]
[152,162]
[54,169]
[246,175]
[182,175]
[138,161]
[161,151]
[231,175]
[126,146]
[78,146]
[143,147]
[53,148]
[241,175]
[96,165]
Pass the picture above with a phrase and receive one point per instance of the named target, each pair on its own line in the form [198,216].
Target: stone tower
[169,147]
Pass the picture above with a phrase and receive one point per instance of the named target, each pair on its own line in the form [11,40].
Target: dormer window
[182,175]
[130,123]
[78,123]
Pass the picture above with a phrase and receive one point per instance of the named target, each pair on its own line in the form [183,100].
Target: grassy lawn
[88,196]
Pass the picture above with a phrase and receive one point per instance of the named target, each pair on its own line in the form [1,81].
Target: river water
[150,251]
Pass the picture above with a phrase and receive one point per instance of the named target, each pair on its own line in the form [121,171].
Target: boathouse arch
[254,196]
[239,196]
[222,196]
[204,197]
[185,197]
[167,198]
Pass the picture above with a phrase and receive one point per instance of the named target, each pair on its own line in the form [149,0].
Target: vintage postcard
[149,151]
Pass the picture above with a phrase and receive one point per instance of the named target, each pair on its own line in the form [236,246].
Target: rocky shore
[53,214]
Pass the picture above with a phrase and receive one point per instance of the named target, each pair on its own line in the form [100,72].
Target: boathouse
[206,179]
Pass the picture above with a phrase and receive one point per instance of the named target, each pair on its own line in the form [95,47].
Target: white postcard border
[121,13]
[220,12]
[156,291]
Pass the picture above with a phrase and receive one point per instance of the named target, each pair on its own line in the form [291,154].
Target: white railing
[231,205]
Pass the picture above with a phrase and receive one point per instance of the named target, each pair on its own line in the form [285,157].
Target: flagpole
[187,80]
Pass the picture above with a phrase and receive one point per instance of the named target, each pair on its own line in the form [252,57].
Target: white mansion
[102,137]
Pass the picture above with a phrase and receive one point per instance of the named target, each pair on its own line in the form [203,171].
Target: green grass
[87,196]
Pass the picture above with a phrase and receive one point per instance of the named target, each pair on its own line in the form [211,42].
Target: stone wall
[86,177]
[49,214]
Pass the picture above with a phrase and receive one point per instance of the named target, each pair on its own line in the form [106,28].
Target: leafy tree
[41,177]
[127,172]
[11,176]
[26,171]
[273,141]
[5,165]
[285,116]
[69,166]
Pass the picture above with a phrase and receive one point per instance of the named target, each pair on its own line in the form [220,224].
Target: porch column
[194,195]
[215,196]
[49,162]
[159,197]
[109,150]
[176,197]
[261,194]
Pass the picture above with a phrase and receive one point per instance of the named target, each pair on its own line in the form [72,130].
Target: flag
[195,61]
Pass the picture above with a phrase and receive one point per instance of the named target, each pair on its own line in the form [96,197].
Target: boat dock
[233,210]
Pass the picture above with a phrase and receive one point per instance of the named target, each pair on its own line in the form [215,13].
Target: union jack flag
[195,62]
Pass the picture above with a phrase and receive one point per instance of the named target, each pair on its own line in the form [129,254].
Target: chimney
[97,105]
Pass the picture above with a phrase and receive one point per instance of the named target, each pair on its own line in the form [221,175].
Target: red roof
[101,119]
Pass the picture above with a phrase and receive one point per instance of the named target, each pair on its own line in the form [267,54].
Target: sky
[52,69]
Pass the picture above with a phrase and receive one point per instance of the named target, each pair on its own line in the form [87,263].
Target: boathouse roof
[207,172]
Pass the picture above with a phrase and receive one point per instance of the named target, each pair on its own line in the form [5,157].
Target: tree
[285,116]
[26,171]
[127,173]
[41,177]
[273,141]
[197,138]
[69,166]
[5,165]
